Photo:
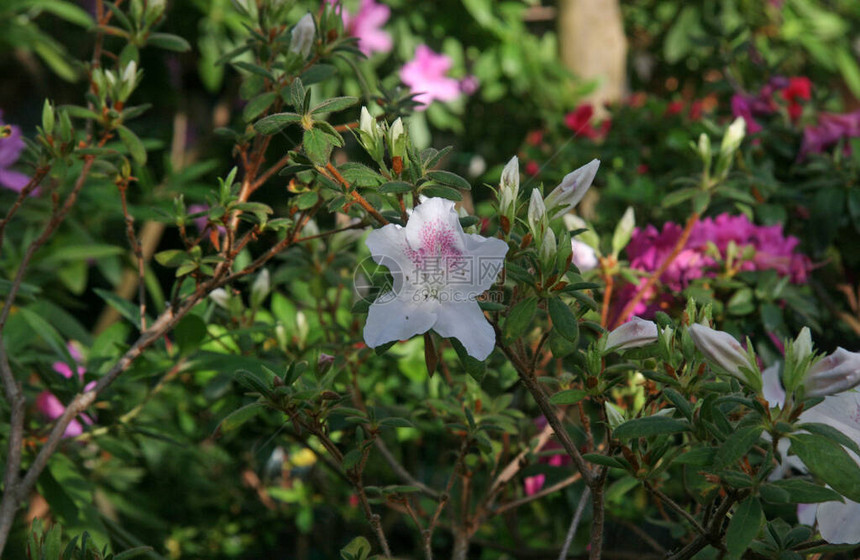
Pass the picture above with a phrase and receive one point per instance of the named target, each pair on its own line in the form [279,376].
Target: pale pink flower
[426,75]
[367,24]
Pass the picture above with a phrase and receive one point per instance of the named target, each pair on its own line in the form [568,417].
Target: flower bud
[261,287]
[537,215]
[548,248]
[571,189]
[733,137]
[722,349]
[509,188]
[632,334]
[623,231]
[367,124]
[397,139]
[221,297]
[704,149]
[837,372]
[303,35]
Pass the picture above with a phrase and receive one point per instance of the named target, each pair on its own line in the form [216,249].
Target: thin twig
[574,524]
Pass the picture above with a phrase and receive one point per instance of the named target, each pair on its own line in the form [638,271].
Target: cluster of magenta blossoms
[723,245]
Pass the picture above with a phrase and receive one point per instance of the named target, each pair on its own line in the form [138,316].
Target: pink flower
[367,24]
[426,76]
[49,405]
[11,146]
[534,484]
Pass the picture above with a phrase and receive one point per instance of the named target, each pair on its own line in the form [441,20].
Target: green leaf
[318,73]
[804,492]
[570,396]
[604,460]
[832,433]
[441,191]
[743,527]
[306,200]
[396,187]
[351,459]
[563,320]
[357,549]
[317,146]
[682,404]
[239,417]
[168,42]
[649,426]
[520,317]
[64,10]
[189,333]
[274,123]
[736,445]
[449,180]
[699,457]
[132,144]
[334,104]
[395,422]
[172,257]
[126,308]
[258,105]
[830,462]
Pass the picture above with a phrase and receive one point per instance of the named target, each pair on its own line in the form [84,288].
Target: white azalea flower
[438,272]
[838,522]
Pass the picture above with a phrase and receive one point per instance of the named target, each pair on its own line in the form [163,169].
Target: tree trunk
[593,46]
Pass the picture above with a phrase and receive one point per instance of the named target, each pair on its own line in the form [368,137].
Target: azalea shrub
[291,321]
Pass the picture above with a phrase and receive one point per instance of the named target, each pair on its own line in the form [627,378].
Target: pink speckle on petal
[438,246]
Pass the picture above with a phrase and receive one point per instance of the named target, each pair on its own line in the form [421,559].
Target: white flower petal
[806,514]
[839,523]
[435,225]
[466,322]
[388,248]
[840,411]
[486,256]
[772,387]
[396,319]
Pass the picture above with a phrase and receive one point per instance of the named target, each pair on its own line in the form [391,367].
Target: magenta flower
[650,247]
[11,146]
[367,24]
[426,75]
[49,405]
[534,484]
[830,129]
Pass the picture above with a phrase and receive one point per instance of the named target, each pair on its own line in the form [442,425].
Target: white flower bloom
[837,372]
[509,187]
[303,35]
[438,272]
[721,348]
[584,256]
[838,521]
[632,334]
[571,189]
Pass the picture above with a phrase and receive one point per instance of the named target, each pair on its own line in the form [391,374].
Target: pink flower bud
[721,348]
[632,334]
